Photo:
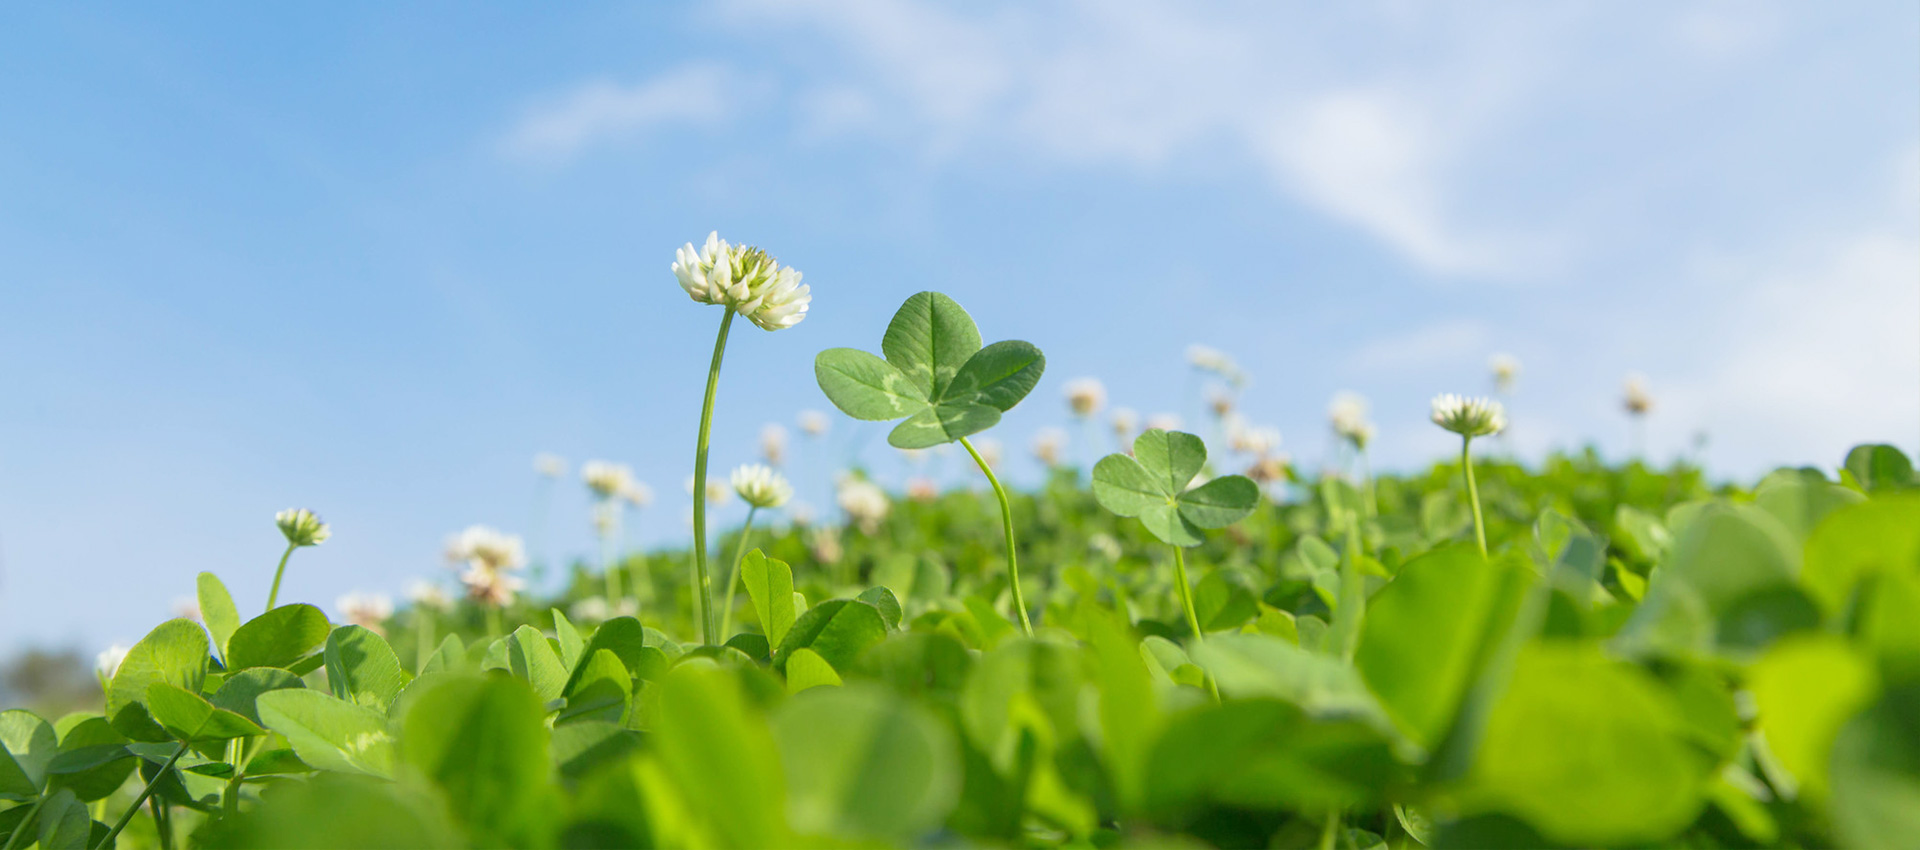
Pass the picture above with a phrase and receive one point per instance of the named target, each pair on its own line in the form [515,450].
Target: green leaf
[531,658]
[721,757]
[451,657]
[1152,485]
[1805,688]
[837,629]
[65,823]
[636,647]
[864,764]
[1800,498]
[241,690]
[217,612]
[1876,774]
[278,638]
[942,423]
[583,746]
[190,718]
[1633,776]
[362,669]
[1860,541]
[866,387]
[600,692]
[328,733]
[483,742]
[1880,467]
[27,745]
[93,760]
[806,669]
[884,600]
[1267,755]
[1728,560]
[929,339]
[571,644]
[340,810]
[997,376]
[770,586]
[1430,633]
[1250,666]
[176,653]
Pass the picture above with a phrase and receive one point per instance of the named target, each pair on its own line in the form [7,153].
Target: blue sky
[370,260]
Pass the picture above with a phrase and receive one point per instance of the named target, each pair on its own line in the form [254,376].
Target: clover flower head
[1125,420]
[719,493]
[745,280]
[758,485]
[486,548]
[1257,441]
[1506,370]
[592,609]
[489,586]
[1636,397]
[1206,358]
[302,527]
[1469,417]
[1085,396]
[1164,422]
[187,608]
[367,610]
[864,502]
[108,661]
[549,465]
[1269,469]
[1221,403]
[1048,445]
[824,543]
[813,423]
[637,494]
[606,479]
[922,489]
[773,443]
[426,594]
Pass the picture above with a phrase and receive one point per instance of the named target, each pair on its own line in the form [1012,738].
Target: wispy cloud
[1443,344]
[602,110]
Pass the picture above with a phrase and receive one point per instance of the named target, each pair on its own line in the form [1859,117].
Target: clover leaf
[1152,485]
[935,374]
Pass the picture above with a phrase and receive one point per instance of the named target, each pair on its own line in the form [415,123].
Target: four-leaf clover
[1152,485]
[935,374]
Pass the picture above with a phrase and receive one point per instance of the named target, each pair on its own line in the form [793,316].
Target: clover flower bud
[592,609]
[367,610]
[491,587]
[758,485]
[486,548]
[1469,417]
[302,527]
[824,543]
[549,465]
[426,594]
[1164,422]
[1506,370]
[1255,441]
[1048,445]
[1085,396]
[864,502]
[813,423]
[1635,397]
[108,661]
[1125,421]
[606,479]
[1221,403]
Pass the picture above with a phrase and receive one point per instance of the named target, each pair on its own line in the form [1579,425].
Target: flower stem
[1006,519]
[1330,831]
[733,578]
[1473,494]
[1193,618]
[610,565]
[142,799]
[423,636]
[274,594]
[493,621]
[707,625]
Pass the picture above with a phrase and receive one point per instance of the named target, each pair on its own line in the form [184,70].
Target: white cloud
[600,110]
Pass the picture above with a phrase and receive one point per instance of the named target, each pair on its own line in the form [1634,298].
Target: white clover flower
[1506,370]
[1085,396]
[426,594]
[637,494]
[1125,421]
[1048,445]
[605,478]
[549,465]
[1635,397]
[1206,358]
[1164,422]
[487,548]
[605,517]
[922,489]
[865,502]
[302,527]
[592,609]
[718,492]
[1221,403]
[758,485]
[773,443]
[1270,468]
[1469,417]
[489,586]
[108,661]
[1257,441]
[743,279]
[368,610]
[186,608]
[824,543]
[1348,416]
[813,423]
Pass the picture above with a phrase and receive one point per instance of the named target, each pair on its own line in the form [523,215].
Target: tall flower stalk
[1006,521]
[749,282]
[760,487]
[1470,418]
[301,527]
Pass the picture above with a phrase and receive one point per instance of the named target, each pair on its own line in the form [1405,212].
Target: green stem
[422,636]
[162,823]
[1366,477]
[1331,831]
[274,594]
[700,483]
[21,828]
[1193,617]
[1473,494]
[493,621]
[609,563]
[733,578]
[140,800]
[1006,519]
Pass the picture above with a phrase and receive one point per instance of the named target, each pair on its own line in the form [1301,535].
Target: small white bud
[302,527]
